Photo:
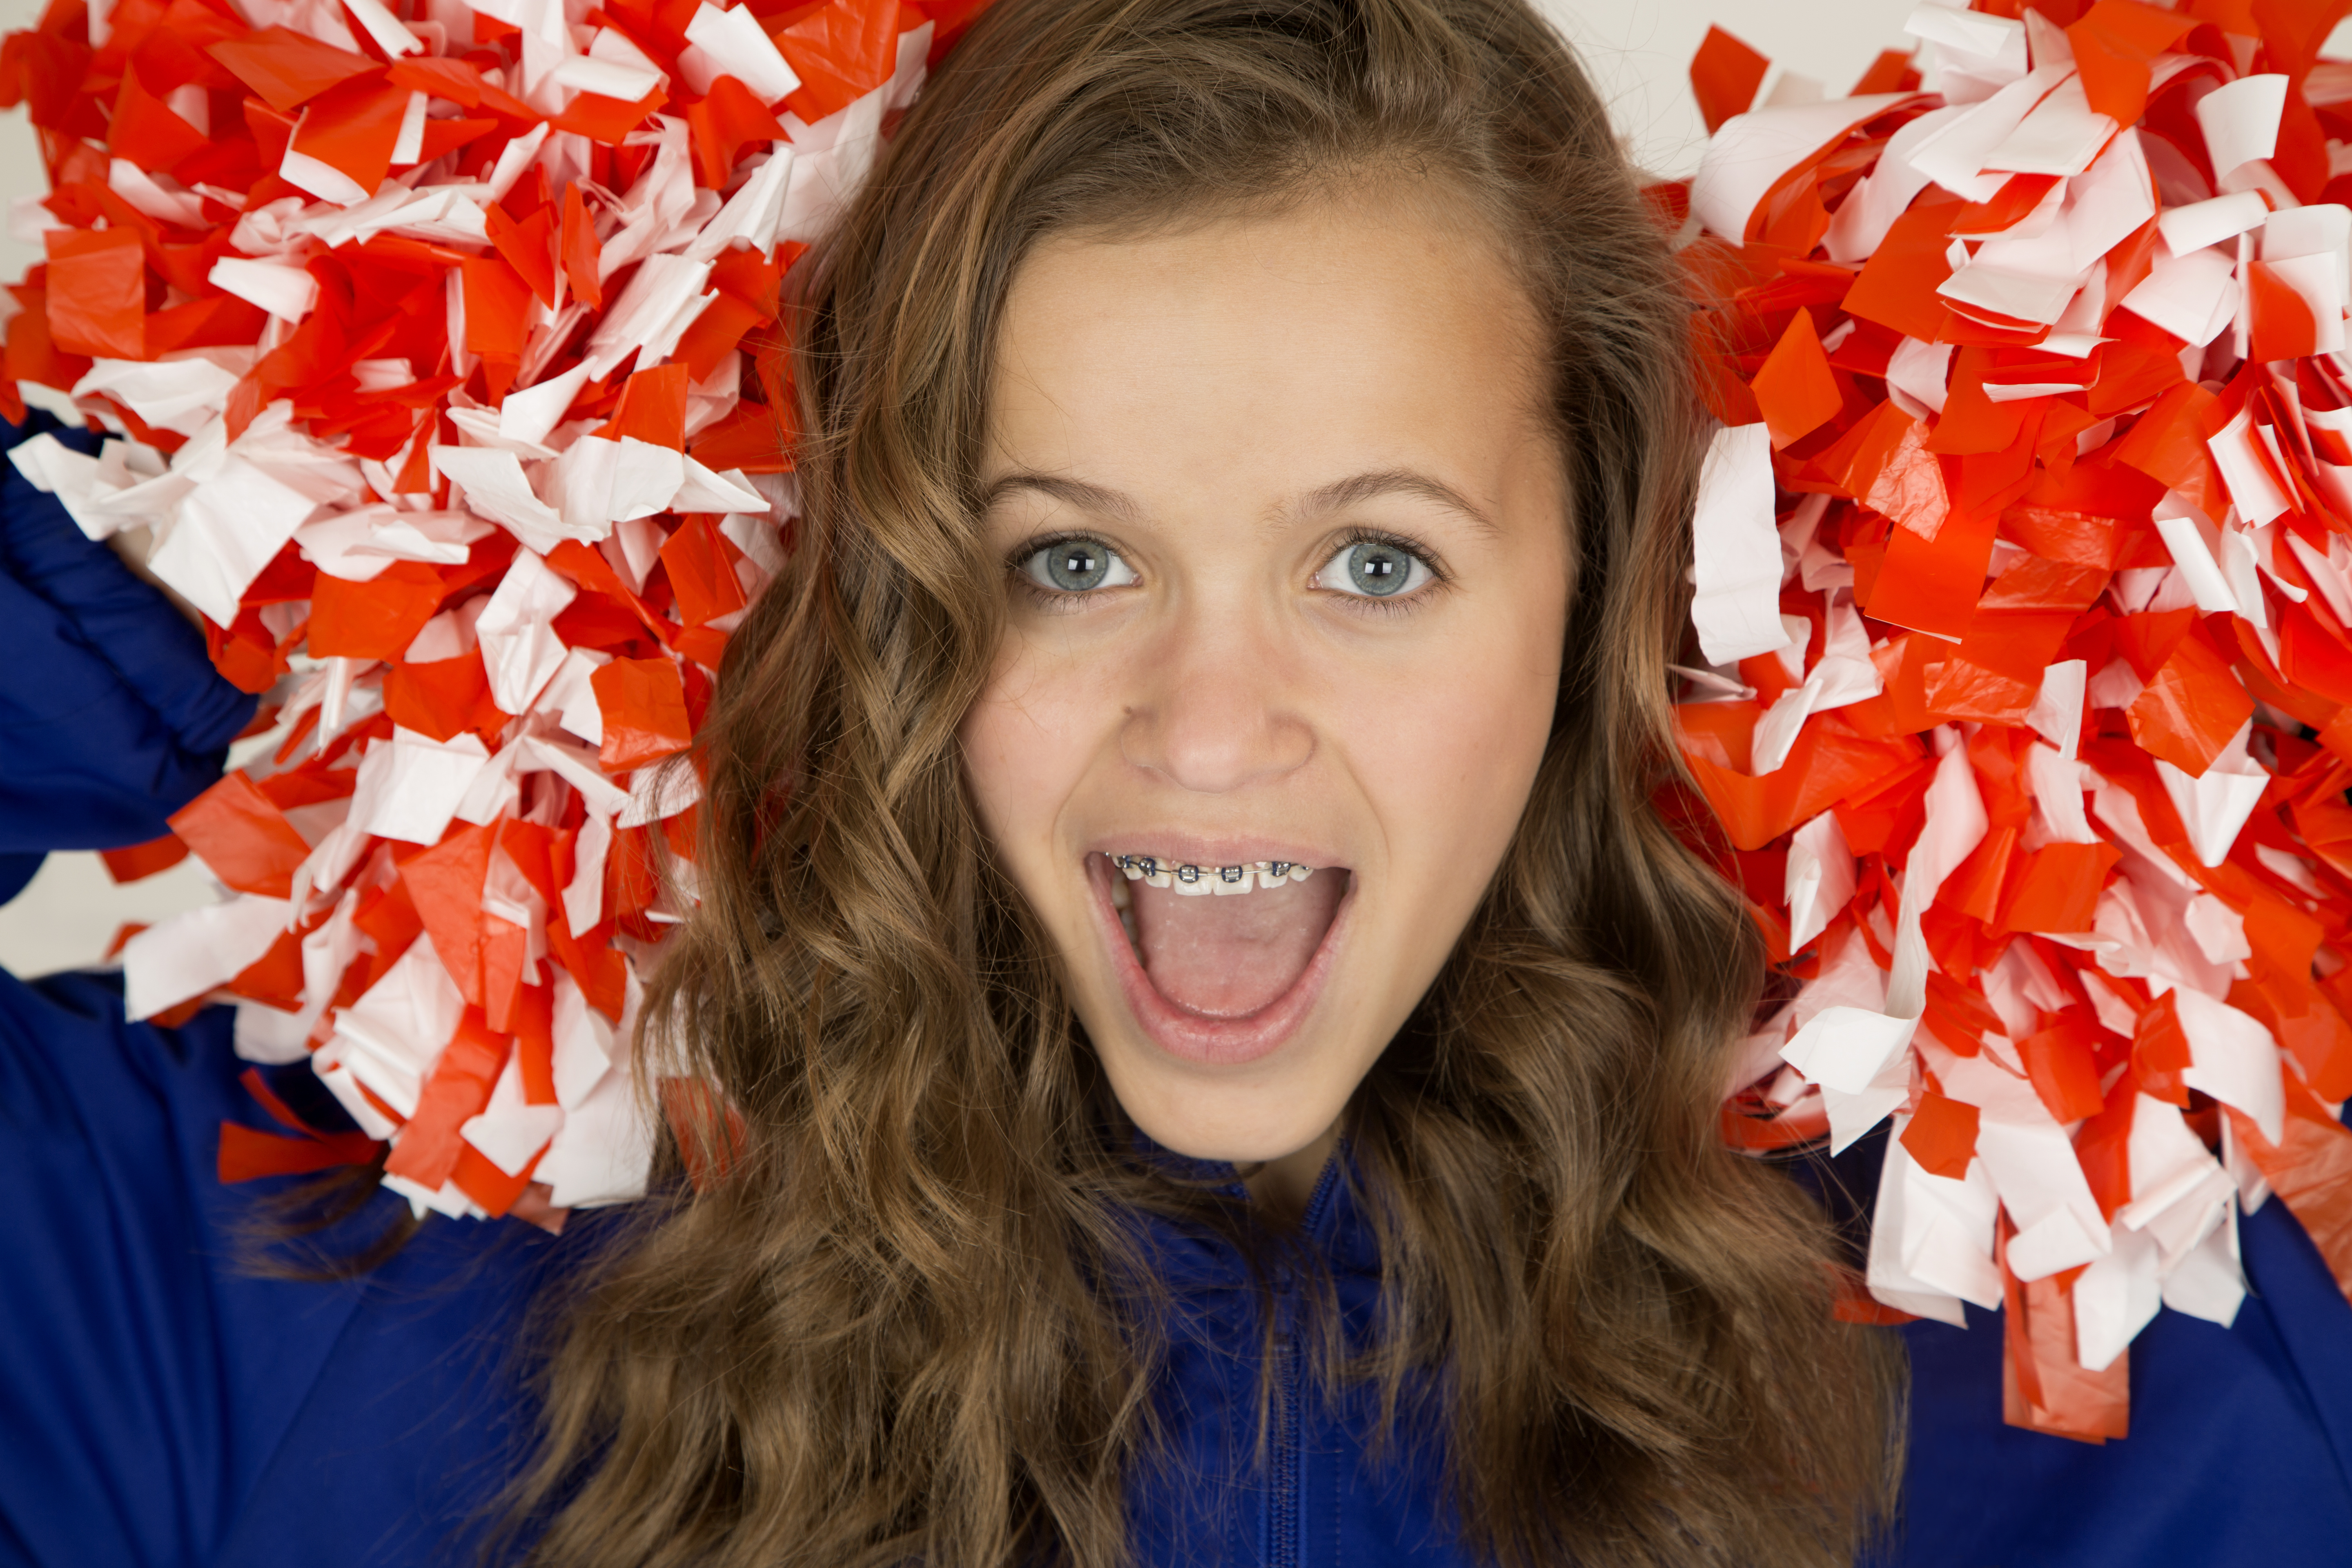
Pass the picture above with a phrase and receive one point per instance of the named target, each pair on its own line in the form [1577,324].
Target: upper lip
[1179,848]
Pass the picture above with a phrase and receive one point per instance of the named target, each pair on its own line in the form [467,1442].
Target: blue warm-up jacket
[160,1407]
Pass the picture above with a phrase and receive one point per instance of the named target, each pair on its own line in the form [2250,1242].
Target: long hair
[899,1318]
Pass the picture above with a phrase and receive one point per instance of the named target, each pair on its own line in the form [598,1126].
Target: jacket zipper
[1284,1553]
[1284,1546]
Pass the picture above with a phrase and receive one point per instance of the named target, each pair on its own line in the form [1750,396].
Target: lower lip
[1196,1036]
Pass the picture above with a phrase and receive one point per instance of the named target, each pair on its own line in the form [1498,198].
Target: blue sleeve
[2237,1453]
[113,716]
[164,1407]
[2240,1454]
[164,1404]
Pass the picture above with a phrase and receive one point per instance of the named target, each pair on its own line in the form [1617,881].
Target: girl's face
[1286,575]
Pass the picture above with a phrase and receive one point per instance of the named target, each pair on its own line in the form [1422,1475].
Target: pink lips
[1196,1036]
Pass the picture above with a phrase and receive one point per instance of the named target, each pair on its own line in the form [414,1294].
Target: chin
[1235,1128]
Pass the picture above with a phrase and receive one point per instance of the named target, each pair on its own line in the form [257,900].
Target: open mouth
[1220,963]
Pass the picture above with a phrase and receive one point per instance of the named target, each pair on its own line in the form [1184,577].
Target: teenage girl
[1220,1058]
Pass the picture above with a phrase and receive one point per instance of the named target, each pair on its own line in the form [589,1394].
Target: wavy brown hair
[902,1319]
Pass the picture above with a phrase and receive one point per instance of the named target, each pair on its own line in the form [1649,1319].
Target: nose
[1214,710]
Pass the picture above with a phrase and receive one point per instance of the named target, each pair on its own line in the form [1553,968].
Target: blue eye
[1374,569]
[1077,565]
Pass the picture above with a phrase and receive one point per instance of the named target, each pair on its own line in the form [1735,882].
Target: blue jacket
[161,1408]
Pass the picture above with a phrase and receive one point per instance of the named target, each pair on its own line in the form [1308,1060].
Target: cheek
[1026,742]
[1007,760]
[1467,731]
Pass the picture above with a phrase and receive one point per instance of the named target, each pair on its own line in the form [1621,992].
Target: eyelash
[1404,604]
[1052,598]
[1061,599]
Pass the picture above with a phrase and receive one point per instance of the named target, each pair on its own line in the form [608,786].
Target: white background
[1638,54]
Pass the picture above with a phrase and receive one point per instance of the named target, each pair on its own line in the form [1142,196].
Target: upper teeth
[1187,877]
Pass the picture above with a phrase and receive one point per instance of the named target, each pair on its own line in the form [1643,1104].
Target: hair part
[908,1323]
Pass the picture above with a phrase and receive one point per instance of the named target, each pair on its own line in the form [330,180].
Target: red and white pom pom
[2024,587]
[436,346]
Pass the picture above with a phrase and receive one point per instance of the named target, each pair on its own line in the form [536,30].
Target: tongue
[1227,957]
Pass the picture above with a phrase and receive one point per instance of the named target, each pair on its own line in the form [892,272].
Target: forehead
[1376,326]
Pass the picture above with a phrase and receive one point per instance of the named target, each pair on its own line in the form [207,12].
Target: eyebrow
[1336,496]
[1095,499]
[1358,488]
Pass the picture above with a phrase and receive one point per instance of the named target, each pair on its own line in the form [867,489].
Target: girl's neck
[1284,1186]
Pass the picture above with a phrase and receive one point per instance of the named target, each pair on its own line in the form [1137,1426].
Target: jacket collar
[1334,1225]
